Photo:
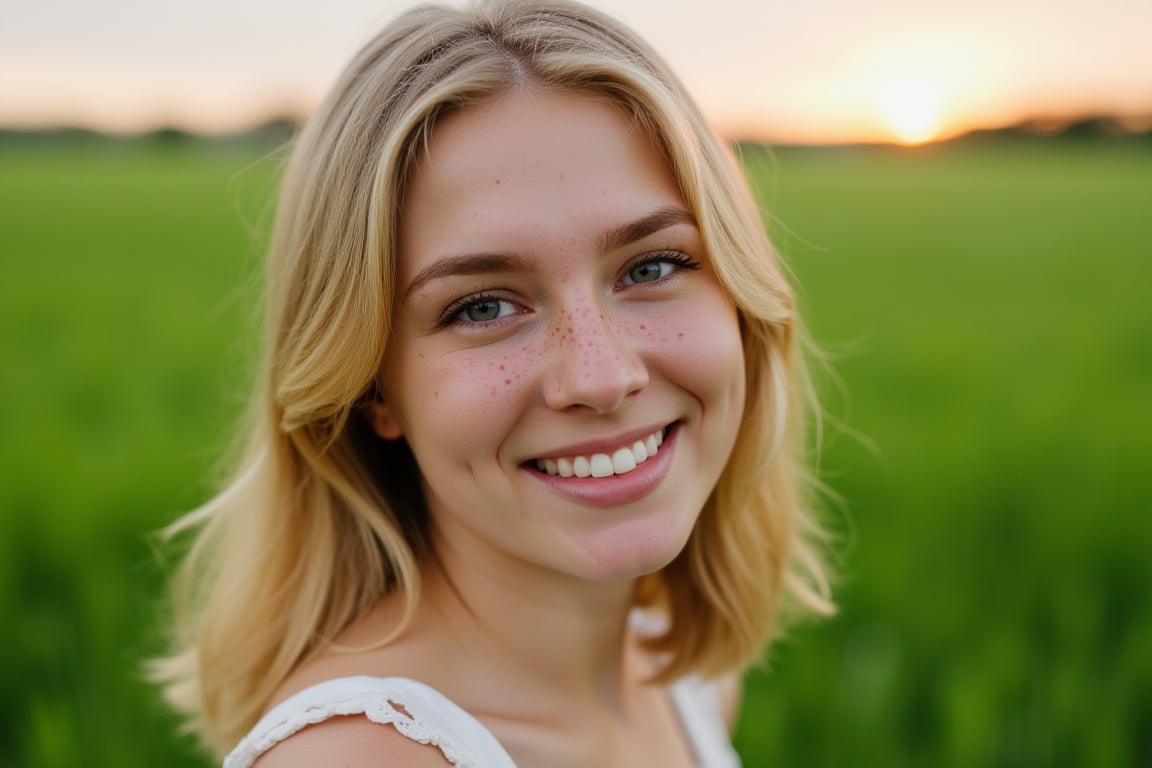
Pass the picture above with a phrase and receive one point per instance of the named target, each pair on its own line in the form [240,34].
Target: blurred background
[963,190]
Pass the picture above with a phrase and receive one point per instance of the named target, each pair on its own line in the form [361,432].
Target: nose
[595,366]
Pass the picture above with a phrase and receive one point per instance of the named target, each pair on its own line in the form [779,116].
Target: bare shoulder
[351,741]
[354,741]
[730,691]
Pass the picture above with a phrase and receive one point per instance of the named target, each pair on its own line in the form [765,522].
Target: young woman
[525,482]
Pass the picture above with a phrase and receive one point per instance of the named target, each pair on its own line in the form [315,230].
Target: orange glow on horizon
[912,109]
[910,93]
[917,90]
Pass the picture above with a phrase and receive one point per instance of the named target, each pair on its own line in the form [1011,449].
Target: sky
[779,70]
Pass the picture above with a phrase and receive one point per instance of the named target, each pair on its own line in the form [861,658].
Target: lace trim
[424,715]
[406,713]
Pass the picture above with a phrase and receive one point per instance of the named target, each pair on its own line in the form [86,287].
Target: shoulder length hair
[322,518]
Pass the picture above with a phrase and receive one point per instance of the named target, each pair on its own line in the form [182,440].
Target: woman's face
[557,319]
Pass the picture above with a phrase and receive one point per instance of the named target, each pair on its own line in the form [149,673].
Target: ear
[382,418]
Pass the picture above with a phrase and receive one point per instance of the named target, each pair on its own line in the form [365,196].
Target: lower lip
[616,490]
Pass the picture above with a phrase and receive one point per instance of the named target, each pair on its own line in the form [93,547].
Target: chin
[632,554]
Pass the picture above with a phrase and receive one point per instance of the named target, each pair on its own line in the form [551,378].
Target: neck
[550,633]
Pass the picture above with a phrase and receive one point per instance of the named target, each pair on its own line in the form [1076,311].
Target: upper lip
[603,444]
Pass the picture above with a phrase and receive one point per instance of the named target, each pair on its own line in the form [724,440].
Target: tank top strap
[697,703]
[414,709]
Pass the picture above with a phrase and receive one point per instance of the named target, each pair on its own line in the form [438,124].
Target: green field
[988,311]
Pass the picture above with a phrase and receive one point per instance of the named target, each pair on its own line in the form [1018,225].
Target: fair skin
[555,305]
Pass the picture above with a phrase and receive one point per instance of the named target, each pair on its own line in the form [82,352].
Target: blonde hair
[323,519]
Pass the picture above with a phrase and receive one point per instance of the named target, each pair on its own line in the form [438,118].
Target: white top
[425,715]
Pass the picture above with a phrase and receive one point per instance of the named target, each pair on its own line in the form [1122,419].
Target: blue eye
[482,311]
[654,267]
[649,272]
[478,310]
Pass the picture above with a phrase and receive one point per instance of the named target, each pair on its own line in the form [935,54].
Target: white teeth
[622,461]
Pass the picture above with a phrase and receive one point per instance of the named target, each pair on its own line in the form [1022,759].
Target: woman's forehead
[532,129]
[533,162]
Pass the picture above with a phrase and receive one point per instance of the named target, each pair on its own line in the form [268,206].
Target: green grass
[122,332]
[987,308]
[990,305]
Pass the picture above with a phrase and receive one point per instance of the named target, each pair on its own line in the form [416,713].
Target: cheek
[464,393]
[507,374]
[700,346]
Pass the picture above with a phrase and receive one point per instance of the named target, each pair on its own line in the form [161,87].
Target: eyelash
[679,258]
[451,315]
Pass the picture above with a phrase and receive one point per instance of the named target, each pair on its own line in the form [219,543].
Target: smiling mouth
[621,461]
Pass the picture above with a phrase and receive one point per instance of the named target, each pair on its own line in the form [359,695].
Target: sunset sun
[911,109]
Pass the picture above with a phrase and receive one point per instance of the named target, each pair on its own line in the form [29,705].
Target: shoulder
[368,721]
[352,741]
[353,722]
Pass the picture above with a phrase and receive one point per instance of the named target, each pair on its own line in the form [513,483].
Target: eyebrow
[488,263]
[475,264]
[660,219]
